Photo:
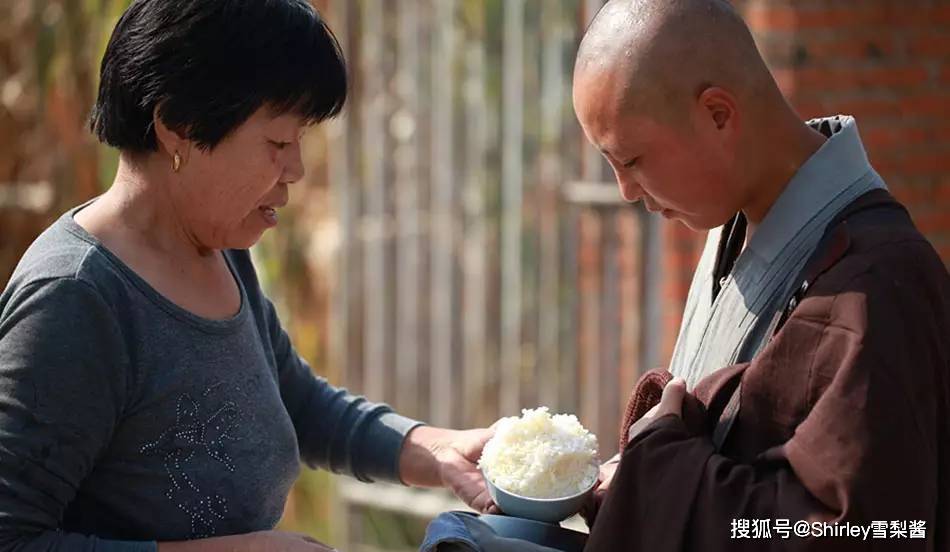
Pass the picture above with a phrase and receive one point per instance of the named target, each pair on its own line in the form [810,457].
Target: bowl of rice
[540,466]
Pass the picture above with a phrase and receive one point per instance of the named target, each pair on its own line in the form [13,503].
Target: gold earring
[176,164]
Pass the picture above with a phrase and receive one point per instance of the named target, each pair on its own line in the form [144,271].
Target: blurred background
[457,249]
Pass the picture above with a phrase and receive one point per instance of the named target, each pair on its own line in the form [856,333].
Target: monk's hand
[605,476]
[670,403]
[435,457]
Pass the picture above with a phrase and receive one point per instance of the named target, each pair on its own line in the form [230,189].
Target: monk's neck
[781,158]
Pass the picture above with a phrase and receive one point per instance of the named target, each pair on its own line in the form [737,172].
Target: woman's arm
[62,389]
[336,430]
[347,433]
[63,371]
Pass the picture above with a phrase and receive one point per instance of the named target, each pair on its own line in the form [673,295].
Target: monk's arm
[865,452]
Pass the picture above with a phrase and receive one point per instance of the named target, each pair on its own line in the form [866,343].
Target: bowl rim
[558,499]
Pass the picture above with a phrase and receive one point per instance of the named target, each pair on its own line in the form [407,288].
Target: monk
[810,408]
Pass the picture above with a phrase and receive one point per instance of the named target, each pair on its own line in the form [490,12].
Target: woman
[149,398]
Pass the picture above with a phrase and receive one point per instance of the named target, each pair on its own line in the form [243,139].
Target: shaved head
[676,96]
[663,53]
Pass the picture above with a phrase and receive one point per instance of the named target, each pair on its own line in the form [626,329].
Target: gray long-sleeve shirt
[126,420]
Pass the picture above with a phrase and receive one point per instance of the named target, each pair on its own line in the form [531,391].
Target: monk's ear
[720,107]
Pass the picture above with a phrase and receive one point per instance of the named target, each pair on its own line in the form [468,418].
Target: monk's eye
[631,163]
[279,145]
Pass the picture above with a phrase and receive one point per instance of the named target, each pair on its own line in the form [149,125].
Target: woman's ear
[168,140]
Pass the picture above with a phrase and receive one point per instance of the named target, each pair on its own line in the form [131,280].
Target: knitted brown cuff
[646,394]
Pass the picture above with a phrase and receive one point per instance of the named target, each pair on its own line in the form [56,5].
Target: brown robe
[844,416]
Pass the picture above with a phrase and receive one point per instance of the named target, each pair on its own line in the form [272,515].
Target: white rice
[541,456]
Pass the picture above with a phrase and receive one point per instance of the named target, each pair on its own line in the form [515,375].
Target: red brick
[887,76]
[811,109]
[919,163]
[944,252]
[930,45]
[826,79]
[898,14]
[913,195]
[789,18]
[864,108]
[849,47]
[937,162]
[841,18]
[893,15]
[931,105]
[915,211]
[934,221]
[766,18]
[893,136]
[940,136]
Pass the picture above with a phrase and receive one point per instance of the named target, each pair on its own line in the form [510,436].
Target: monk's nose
[630,190]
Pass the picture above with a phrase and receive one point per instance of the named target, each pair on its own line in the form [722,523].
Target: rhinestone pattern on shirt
[193,434]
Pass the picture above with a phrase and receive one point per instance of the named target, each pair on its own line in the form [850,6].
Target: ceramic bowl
[549,510]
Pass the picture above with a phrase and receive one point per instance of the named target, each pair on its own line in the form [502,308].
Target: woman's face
[227,197]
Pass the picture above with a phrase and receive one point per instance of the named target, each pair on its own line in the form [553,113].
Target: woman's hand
[434,457]
[261,541]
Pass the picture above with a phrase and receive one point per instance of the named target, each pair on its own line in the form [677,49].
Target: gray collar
[837,164]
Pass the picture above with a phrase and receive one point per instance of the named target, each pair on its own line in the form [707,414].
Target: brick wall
[887,62]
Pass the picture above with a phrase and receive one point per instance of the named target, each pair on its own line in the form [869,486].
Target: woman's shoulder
[61,254]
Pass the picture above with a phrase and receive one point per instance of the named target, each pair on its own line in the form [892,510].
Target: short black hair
[210,64]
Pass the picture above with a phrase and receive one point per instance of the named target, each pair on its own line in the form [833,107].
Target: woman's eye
[279,145]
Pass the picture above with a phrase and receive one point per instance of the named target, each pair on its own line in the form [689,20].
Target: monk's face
[681,166]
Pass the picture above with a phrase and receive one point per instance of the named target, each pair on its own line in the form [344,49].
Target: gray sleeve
[62,386]
[335,429]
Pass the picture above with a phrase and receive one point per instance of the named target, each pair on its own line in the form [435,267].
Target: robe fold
[844,418]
